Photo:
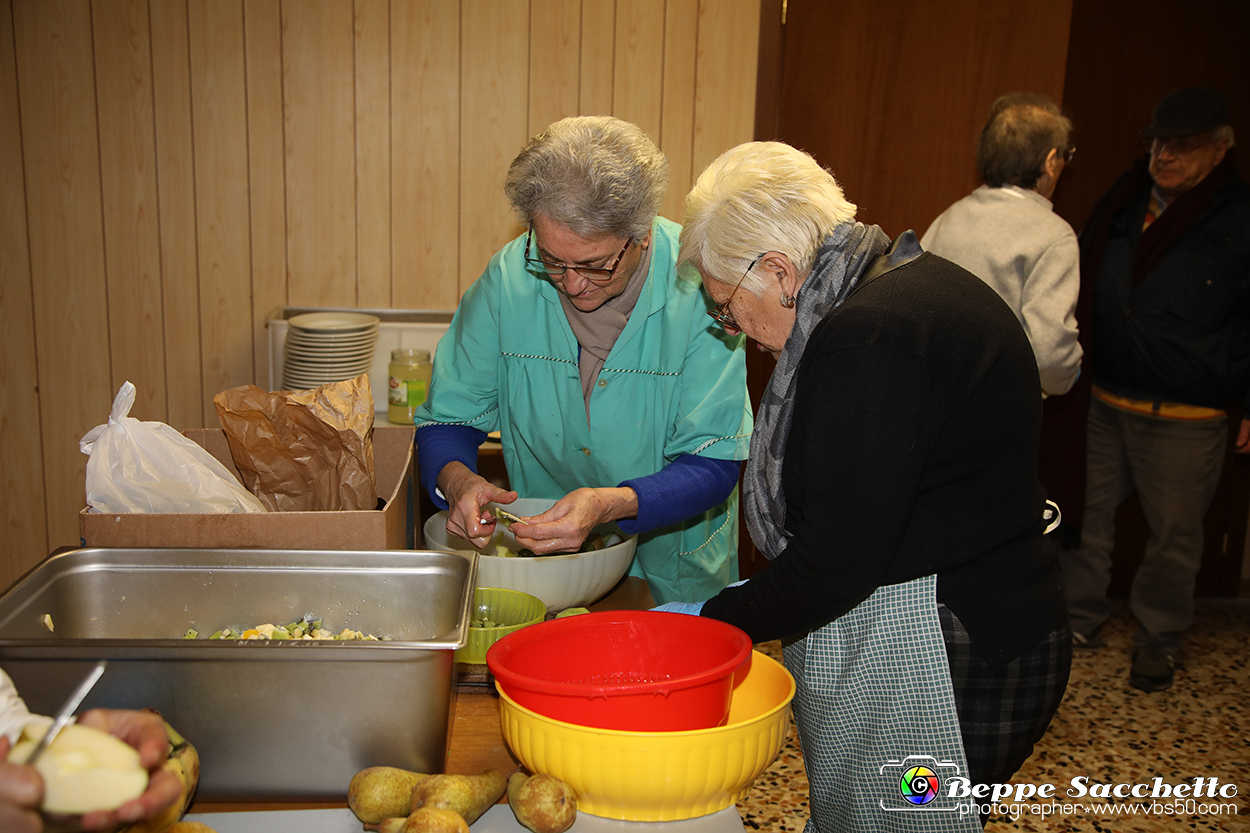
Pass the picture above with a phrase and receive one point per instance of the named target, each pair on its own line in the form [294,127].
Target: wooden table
[475,743]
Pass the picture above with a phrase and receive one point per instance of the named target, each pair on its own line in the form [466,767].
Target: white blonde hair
[759,197]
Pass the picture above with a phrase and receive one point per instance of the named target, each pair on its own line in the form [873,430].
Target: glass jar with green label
[410,371]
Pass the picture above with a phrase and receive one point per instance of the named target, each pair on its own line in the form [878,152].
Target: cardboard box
[395,526]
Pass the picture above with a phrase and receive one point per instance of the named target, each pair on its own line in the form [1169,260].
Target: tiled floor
[1110,733]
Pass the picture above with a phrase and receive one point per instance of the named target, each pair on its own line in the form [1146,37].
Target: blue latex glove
[692,608]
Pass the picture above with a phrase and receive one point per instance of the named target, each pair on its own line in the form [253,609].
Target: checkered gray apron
[875,709]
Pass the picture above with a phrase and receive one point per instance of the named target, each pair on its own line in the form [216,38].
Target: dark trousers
[1174,467]
[1004,709]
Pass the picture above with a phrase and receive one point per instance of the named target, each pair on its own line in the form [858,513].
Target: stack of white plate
[324,347]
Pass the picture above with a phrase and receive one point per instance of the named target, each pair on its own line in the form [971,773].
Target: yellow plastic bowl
[511,609]
[660,776]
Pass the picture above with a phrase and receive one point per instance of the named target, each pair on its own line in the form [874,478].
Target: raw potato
[595,541]
[84,769]
[542,803]
[468,795]
[434,820]
[378,793]
[183,762]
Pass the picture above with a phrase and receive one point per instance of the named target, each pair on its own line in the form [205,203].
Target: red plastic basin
[639,670]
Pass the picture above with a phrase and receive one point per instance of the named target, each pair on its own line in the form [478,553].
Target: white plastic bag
[138,466]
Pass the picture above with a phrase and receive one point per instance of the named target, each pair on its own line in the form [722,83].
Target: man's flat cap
[1188,112]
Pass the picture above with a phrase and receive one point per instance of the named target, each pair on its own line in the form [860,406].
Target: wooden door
[1109,100]
[891,95]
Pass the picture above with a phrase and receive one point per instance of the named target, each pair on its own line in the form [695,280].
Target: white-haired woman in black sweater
[892,483]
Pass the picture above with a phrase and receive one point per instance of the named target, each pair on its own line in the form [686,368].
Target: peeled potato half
[84,769]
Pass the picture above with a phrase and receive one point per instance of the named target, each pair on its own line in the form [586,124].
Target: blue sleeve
[438,445]
[684,488]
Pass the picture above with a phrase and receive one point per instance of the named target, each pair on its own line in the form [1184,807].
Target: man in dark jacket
[1168,251]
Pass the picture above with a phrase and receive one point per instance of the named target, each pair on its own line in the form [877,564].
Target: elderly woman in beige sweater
[1008,235]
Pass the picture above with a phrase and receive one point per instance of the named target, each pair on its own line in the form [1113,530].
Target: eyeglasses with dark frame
[1068,153]
[1178,145]
[593,274]
[720,313]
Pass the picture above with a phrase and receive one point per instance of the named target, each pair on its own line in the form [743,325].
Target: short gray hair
[1022,130]
[760,197]
[595,175]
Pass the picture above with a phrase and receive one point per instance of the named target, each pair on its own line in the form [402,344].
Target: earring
[787,301]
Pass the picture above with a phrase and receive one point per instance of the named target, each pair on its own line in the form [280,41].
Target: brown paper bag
[304,450]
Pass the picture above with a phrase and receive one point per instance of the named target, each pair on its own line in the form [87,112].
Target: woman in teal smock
[598,367]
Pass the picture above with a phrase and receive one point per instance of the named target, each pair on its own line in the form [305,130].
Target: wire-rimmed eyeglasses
[595,274]
[720,313]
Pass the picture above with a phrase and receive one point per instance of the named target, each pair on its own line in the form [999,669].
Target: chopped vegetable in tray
[306,627]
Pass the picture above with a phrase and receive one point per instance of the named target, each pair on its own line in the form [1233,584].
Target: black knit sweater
[913,451]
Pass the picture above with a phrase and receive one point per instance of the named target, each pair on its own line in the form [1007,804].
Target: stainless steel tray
[271,719]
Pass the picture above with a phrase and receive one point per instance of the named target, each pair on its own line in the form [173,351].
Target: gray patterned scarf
[841,259]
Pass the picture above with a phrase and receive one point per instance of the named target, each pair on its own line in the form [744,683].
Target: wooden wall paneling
[681,32]
[266,171]
[555,28]
[638,76]
[132,256]
[207,217]
[598,60]
[175,190]
[894,106]
[23,524]
[373,153]
[425,154]
[768,69]
[60,143]
[220,141]
[319,100]
[494,125]
[726,50]
[724,100]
